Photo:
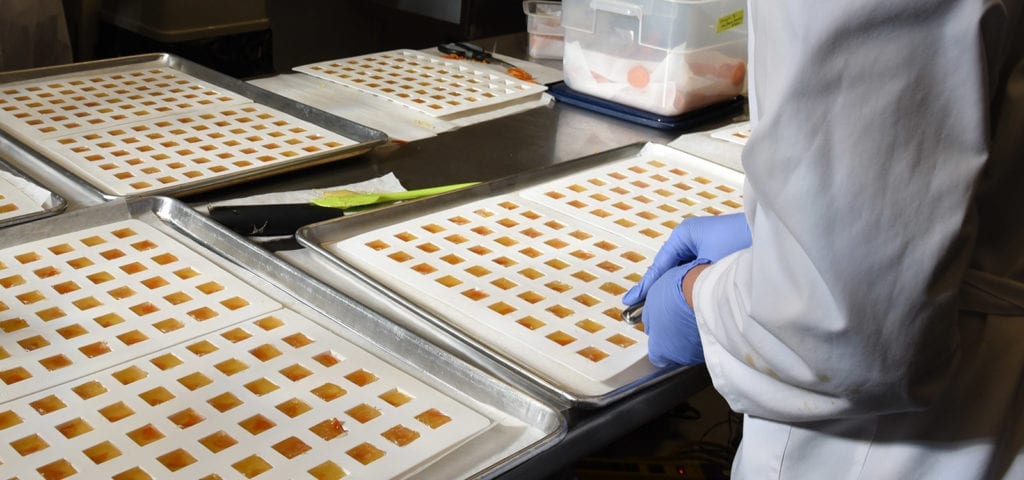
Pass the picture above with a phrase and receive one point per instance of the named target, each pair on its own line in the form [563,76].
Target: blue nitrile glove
[711,238]
[670,324]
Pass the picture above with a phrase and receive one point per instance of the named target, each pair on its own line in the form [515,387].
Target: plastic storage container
[667,57]
[544,25]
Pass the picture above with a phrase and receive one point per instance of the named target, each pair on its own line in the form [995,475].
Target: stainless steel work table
[487,151]
[494,149]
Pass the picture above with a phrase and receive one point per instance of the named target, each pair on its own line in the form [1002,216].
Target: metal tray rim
[204,235]
[367,138]
[312,236]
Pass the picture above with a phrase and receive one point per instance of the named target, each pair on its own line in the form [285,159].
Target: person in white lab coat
[866,314]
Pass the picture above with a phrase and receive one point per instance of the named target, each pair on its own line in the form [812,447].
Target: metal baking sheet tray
[17,205]
[139,338]
[530,270]
[158,124]
[437,86]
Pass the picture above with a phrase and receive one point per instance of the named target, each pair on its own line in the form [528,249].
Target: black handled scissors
[474,52]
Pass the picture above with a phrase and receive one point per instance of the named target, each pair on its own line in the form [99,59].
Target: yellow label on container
[731,20]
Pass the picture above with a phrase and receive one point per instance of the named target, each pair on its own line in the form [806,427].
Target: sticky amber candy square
[194,381]
[176,459]
[327,359]
[116,411]
[236,335]
[257,424]
[132,337]
[328,391]
[251,466]
[166,361]
[291,447]
[145,434]
[72,331]
[57,470]
[89,389]
[361,377]
[327,471]
[328,429]
[363,413]
[365,453]
[400,435]
[293,407]
[561,337]
[261,386]
[621,340]
[589,325]
[48,404]
[297,340]
[231,366]
[74,427]
[265,352]
[134,473]
[202,348]
[55,362]
[9,419]
[156,396]
[168,325]
[13,325]
[593,354]
[395,397]
[186,418]
[130,375]
[224,402]
[33,343]
[218,441]
[14,375]
[433,418]
[102,452]
[295,372]
[530,322]
[202,314]
[108,320]
[30,444]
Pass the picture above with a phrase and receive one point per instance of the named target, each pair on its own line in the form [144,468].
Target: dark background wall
[293,32]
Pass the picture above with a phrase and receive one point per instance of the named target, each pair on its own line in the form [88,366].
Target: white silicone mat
[736,133]
[81,302]
[100,98]
[274,397]
[14,203]
[502,267]
[645,197]
[547,265]
[124,354]
[141,157]
[437,86]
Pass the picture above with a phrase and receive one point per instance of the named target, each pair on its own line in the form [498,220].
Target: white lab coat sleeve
[869,135]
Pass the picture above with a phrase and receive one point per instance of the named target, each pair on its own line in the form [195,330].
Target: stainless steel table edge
[314,236]
[366,138]
[362,327]
[589,431]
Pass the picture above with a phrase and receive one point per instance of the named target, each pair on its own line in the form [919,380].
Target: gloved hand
[670,323]
[710,238]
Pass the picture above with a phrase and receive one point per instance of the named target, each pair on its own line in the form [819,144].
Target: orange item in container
[638,76]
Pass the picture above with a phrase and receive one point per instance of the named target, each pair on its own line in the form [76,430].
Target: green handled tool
[350,200]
